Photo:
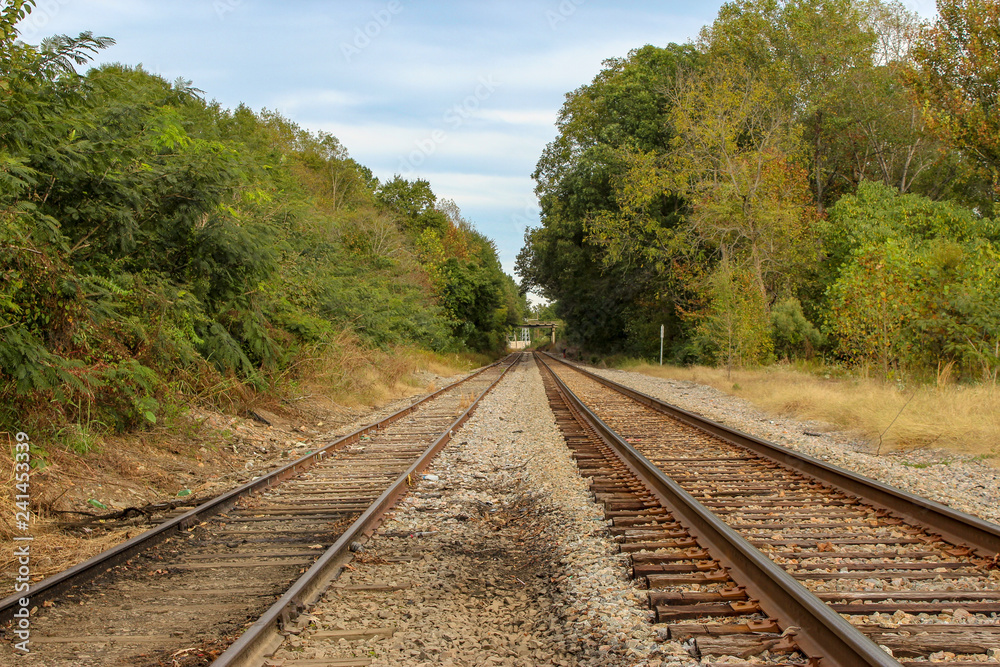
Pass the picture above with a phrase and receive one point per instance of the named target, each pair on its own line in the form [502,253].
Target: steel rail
[958,528]
[55,585]
[263,636]
[823,634]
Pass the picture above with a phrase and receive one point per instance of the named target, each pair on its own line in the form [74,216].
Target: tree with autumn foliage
[719,182]
[957,78]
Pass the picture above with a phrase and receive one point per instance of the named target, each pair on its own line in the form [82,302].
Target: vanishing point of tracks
[206,583]
[749,547]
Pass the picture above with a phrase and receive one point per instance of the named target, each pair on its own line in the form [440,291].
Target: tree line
[806,177]
[153,244]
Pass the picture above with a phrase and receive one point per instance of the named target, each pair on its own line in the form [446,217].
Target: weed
[80,438]
[467,400]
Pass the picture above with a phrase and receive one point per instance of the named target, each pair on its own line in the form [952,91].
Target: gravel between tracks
[960,482]
[502,560]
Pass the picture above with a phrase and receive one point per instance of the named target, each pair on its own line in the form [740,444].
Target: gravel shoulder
[962,483]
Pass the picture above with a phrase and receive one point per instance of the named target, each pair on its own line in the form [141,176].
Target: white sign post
[661,344]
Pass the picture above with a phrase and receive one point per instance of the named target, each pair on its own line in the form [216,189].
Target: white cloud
[543,117]
[414,150]
[481,191]
[292,102]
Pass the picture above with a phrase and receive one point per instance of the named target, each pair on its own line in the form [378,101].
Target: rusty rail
[958,528]
[53,586]
[823,632]
[263,636]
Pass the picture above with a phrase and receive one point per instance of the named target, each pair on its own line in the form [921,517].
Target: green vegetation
[810,177]
[155,247]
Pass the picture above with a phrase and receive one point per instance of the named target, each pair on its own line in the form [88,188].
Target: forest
[156,248]
[808,179]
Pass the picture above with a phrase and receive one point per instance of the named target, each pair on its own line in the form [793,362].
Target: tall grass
[348,373]
[960,418]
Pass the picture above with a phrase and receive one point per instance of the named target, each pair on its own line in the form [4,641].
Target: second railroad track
[218,583]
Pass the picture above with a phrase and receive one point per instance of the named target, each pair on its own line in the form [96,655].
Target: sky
[462,94]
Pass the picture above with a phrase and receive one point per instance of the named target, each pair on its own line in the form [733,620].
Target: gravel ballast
[498,556]
[960,482]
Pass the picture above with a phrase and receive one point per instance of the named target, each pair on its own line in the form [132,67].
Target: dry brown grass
[467,400]
[345,373]
[52,550]
[964,419]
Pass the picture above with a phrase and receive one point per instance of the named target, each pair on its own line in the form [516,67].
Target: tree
[153,243]
[913,283]
[800,50]
[696,184]
[605,127]
[12,12]
[870,303]
[338,180]
[733,329]
[957,78]
[839,69]
[734,159]
[794,336]
[414,201]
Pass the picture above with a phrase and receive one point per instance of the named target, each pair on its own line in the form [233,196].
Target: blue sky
[463,94]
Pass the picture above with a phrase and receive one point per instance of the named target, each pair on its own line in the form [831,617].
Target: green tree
[870,304]
[733,329]
[11,13]
[151,242]
[958,75]
[605,129]
[414,202]
[913,283]
[794,336]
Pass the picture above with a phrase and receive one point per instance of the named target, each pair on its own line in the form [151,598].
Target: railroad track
[747,546]
[219,582]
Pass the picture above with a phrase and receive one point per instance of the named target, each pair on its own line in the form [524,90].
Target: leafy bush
[915,284]
[794,336]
